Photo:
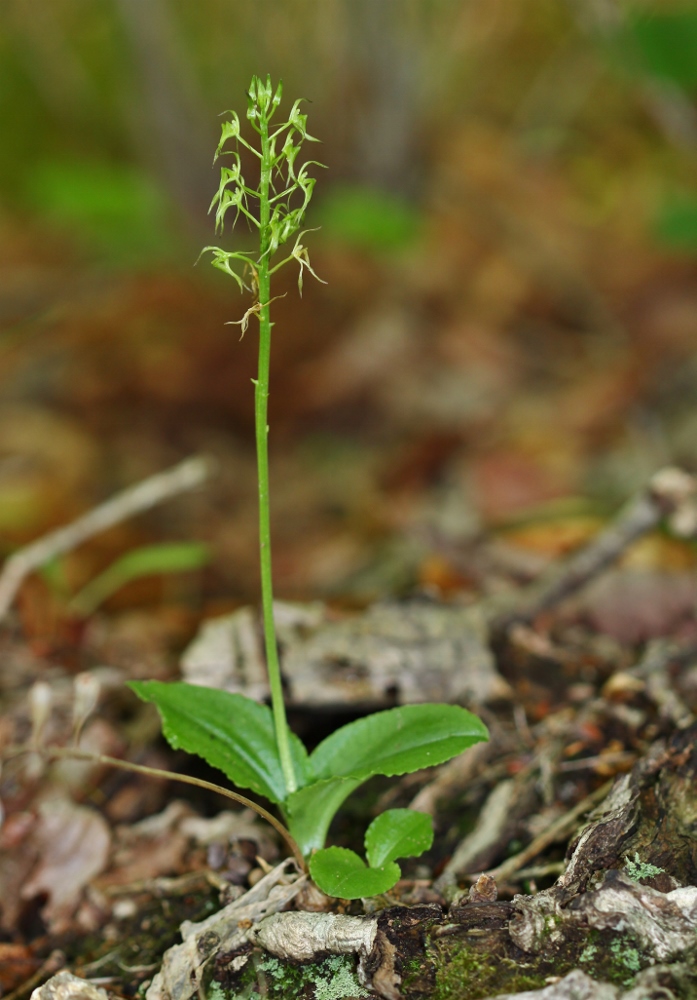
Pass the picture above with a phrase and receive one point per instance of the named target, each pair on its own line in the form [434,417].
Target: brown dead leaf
[508,482]
[155,846]
[18,855]
[636,605]
[148,860]
[73,843]
[17,964]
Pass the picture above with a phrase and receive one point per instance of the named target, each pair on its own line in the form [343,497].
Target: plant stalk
[261,398]
[72,753]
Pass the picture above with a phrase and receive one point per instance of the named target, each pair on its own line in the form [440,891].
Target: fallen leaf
[73,843]
[636,605]
[17,964]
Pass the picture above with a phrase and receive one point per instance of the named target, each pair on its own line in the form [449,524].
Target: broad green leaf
[340,872]
[150,560]
[397,741]
[393,742]
[397,833]
[230,732]
[311,809]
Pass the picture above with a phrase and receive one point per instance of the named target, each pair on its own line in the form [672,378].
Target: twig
[538,871]
[563,827]
[653,670]
[506,804]
[155,772]
[610,759]
[123,505]
[175,885]
[670,494]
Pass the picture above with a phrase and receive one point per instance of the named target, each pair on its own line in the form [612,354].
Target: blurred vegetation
[509,229]
[109,110]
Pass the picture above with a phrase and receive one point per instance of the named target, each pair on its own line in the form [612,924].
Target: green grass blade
[150,560]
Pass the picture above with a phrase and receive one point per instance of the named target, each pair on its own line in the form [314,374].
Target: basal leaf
[397,741]
[397,833]
[393,742]
[340,872]
[230,732]
[310,810]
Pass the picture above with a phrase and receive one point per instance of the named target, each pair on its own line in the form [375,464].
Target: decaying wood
[555,832]
[650,812]
[596,933]
[184,964]
[66,986]
[419,651]
[382,943]
[302,936]
[393,653]
[649,984]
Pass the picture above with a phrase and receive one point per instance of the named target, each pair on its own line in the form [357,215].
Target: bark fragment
[183,966]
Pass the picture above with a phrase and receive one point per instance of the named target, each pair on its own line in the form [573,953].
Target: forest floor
[449,426]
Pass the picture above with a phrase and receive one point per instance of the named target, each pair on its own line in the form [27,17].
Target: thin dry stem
[154,772]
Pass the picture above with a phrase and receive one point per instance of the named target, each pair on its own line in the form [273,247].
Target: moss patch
[618,963]
[464,973]
[332,978]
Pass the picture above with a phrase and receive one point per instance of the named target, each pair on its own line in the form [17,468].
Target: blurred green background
[109,107]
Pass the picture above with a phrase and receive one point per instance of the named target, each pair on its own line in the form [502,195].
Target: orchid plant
[251,743]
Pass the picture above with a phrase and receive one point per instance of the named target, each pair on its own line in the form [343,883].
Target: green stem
[261,398]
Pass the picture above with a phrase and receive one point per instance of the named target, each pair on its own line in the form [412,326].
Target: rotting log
[597,933]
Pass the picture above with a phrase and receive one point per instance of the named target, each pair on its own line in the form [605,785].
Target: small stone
[124,909]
